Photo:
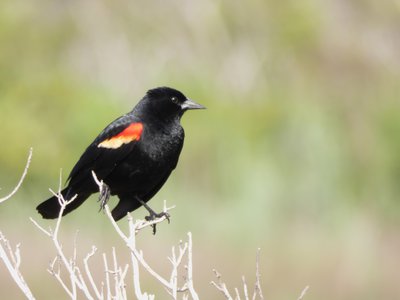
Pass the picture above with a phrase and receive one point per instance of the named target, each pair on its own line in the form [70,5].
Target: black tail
[124,206]
[50,209]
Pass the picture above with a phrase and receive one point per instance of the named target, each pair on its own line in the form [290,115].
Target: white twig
[21,179]
[99,295]
[237,294]
[12,261]
[107,274]
[257,286]
[137,256]
[303,293]
[10,257]
[48,233]
[189,280]
[221,286]
[70,265]
[122,282]
[246,294]
[136,277]
[176,261]
[130,241]
[119,277]
[57,275]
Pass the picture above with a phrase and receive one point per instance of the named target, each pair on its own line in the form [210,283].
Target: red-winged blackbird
[134,155]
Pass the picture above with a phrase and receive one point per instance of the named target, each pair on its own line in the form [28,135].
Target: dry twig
[221,286]
[303,293]
[73,271]
[10,257]
[12,260]
[257,286]
[114,285]
[137,258]
[28,162]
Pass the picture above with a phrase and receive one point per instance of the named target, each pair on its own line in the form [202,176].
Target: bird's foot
[104,196]
[153,215]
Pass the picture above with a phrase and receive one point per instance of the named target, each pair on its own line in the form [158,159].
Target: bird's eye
[175,100]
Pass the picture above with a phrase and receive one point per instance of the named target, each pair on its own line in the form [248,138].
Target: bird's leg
[104,195]
[153,215]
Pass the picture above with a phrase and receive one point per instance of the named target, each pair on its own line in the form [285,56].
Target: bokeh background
[298,152]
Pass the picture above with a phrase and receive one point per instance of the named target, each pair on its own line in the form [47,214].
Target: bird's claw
[154,216]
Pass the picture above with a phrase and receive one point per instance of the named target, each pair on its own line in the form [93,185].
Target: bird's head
[166,103]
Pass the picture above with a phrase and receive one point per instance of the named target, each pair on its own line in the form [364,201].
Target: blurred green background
[298,152]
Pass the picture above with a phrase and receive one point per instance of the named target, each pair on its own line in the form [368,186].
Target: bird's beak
[190,104]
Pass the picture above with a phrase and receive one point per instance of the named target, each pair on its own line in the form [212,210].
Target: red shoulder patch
[131,133]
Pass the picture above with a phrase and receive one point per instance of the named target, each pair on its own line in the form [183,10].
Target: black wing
[112,145]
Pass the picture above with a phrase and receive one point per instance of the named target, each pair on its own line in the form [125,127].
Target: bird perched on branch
[134,156]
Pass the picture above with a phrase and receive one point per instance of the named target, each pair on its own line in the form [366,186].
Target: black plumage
[134,155]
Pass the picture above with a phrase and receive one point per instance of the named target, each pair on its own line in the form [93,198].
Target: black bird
[134,155]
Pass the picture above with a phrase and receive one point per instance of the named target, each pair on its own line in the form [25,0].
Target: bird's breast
[162,147]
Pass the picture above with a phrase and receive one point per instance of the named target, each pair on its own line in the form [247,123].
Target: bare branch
[14,191]
[176,261]
[89,274]
[107,273]
[136,276]
[119,284]
[116,287]
[12,261]
[131,241]
[237,295]
[257,286]
[246,294]
[303,293]
[57,275]
[137,256]
[48,233]
[70,265]
[189,280]
[122,282]
[221,286]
